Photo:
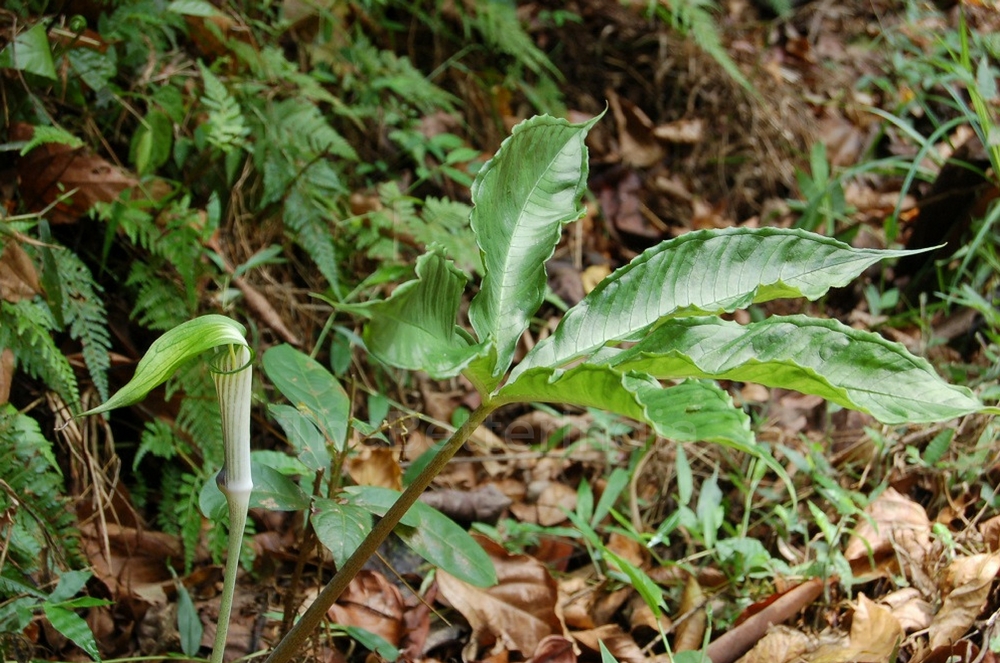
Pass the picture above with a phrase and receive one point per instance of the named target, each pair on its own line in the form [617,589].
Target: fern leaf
[43,135]
[26,328]
[83,310]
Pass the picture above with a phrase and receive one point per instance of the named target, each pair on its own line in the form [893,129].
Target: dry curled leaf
[18,276]
[895,524]
[875,634]
[969,580]
[619,643]
[372,603]
[515,614]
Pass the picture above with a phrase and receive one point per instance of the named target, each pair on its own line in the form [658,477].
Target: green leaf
[704,272]
[341,527]
[69,584]
[522,198]
[30,53]
[648,590]
[415,327]
[188,622]
[73,627]
[311,388]
[153,142]
[432,535]
[370,641]
[689,411]
[856,369]
[170,351]
[303,435]
[272,490]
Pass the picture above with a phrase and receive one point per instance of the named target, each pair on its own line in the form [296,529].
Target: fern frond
[500,27]
[43,519]
[695,18]
[158,304]
[83,310]
[26,328]
[308,217]
[226,126]
[44,134]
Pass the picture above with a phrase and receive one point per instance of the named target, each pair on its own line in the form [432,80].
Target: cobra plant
[647,343]
[233,378]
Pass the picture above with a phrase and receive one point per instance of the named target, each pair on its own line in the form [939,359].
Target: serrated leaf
[73,627]
[854,368]
[432,535]
[689,411]
[415,327]
[311,389]
[703,272]
[522,198]
[167,353]
[341,527]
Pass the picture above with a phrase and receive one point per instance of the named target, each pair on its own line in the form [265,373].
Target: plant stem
[312,617]
[237,523]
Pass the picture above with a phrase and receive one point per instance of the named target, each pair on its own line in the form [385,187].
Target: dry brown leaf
[642,621]
[686,132]
[875,633]
[593,275]
[781,645]
[373,603]
[628,548]
[552,500]
[515,614]
[18,276]
[618,642]
[576,600]
[138,562]
[636,142]
[900,526]
[48,171]
[554,649]
[6,374]
[483,505]
[910,608]
[376,466]
[691,631]
[968,582]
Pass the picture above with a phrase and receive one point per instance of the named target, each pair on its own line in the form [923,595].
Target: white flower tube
[233,382]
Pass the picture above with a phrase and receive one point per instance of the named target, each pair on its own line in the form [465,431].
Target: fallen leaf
[376,466]
[910,608]
[686,132]
[781,645]
[895,524]
[970,580]
[554,649]
[690,632]
[49,171]
[636,142]
[18,276]
[621,645]
[875,634]
[373,603]
[517,613]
